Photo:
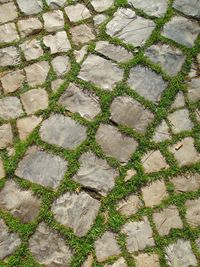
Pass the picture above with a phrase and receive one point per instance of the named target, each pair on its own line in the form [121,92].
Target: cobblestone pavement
[100,133]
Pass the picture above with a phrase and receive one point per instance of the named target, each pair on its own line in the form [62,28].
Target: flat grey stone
[58,42]
[179,101]
[129,205]
[29,26]
[147,260]
[139,235]
[115,144]
[31,49]
[147,83]
[169,58]
[9,56]
[101,72]
[106,246]
[182,31]
[125,22]
[193,89]
[49,248]
[11,81]
[10,108]
[190,8]
[26,125]
[30,7]
[180,254]
[99,19]
[119,263]
[55,4]
[80,54]
[61,65]
[2,171]
[8,33]
[9,241]
[84,102]
[76,211]
[186,182]
[102,5]
[8,12]
[55,85]
[77,12]
[181,115]
[53,21]
[82,34]
[161,132]
[6,136]
[41,167]
[193,212]
[153,161]
[62,131]
[127,111]
[95,173]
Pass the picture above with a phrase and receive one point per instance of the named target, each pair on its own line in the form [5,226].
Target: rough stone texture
[9,56]
[76,99]
[12,81]
[147,260]
[101,5]
[167,219]
[62,131]
[76,211]
[101,72]
[169,58]
[139,235]
[32,49]
[8,12]
[130,173]
[2,171]
[61,65]
[88,262]
[58,42]
[194,89]
[30,7]
[29,26]
[182,31]
[82,34]
[26,125]
[153,161]
[190,8]
[119,263]
[186,182]
[49,248]
[55,85]
[41,167]
[6,136]
[178,116]
[10,108]
[154,193]
[115,144]
[53,21]
[9,241]
[198,243]
[179,101]
[180,254]
[106,246]
[147,83]
[125,22]
[80,54]
[185,152]
[193,212]
[99,19]
[54,4]
[198,115]
[127,111]
[77,12]
[8,33]
[161,132]
[129,205]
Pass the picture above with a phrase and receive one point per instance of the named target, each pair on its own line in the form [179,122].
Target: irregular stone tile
[49,248]
[139,235]
[34,100]
[185,152]
[119,263]
[2,171]
[161,132]
[12,81]
[81,34]
[193,212]
[166,220]
[9,56]
[76,211]
[9,241]
[106,246]
[129,205]
[181,30]
[77,12]
[26,125]
[179,101]
[8,12]
[55,4]
[147,83]
[186,182]
[127,111]
[32,49]
[190,8]
[58,42]
[95,173]
[154,193]
[115,144]
[62,131]
[29,26]
[55,85]
[30,7]
[147,260]
[156,8]
[193,89]
[8,33]
[76,99]
[53,21]
[61,65]
[6,136]
[88,262]
[101,5]
[80,54]
[117,53]
[171,59]
[36,73]
[130,173]
[153,161]
[99,19]
[41,167]
[125,22]
[10,108]
[177,116]
[20,203]
[101,72]
[180,254]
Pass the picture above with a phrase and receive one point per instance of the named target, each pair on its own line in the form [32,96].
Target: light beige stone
[12,81]
[130,173]
[119,263]
[129,205]
[58,42]
[89,261]
[82,34]
[193,212]
[32,49]
[8,33]
[186,182]
[77,12]
[9,56]
[8,12]
[2,171]
[29,26]
[53,21]
[36,73]
[80,54]
[161,132]
[6,136]
[61,65]
[153,161]
[101,5]
[147,260]
[181,115]
[56,84]
[26,125]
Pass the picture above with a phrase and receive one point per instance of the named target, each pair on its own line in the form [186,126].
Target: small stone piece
[130,173]
[82,34]
[2,171]
[9,241]
[58,42]
[101,5]
[161,132]
[36,73]
[80,54]
[9,56]
[106,247]
[181,115]
[153,161]
[101,72]
[6,136]
[119,263]
[154,193]
[179,101]
[129,205]
[12,81]
[81,101]
[62,131]
[8,33]
[76,211]
[88,262]
[182,31]
[99,19]
[55,85]
[56,4]
[194,89]
[10,108]
[186,182]
[193,212]
[48,248]
[41,167]
[77,12]
[29,26]
[180,254]
[8,12]
[139,235]
[187,153]
[32,49]
[198,243]
[53,21]
[34,100]
[115,144]
[147,260]
[26,125]
[190,8]
[30,7]
[61,65]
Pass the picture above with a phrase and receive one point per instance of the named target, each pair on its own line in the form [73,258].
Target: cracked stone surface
[129,205]
[153,161]
[57,43]
[186,182]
